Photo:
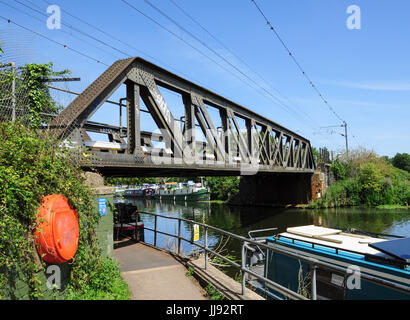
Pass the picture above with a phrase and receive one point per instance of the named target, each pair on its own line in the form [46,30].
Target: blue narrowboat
[351,266]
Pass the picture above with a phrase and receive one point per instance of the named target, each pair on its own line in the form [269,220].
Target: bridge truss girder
[263,146]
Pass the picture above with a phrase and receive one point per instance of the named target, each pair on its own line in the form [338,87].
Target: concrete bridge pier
[276,189]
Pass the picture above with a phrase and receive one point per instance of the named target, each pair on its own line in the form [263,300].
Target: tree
[316,156]
[402,161]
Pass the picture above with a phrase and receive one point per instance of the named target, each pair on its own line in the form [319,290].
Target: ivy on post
[41,106]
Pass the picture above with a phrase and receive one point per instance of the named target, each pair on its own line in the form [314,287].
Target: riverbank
[312,206]
[366,180]
[392,207]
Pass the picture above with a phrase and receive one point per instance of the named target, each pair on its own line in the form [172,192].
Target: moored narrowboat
[351,266]
[189,191]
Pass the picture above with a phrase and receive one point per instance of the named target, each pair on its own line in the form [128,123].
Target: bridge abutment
[276,189]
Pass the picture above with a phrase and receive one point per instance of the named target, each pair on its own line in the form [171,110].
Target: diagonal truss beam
[142,80]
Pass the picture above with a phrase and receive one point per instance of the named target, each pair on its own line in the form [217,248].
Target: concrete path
[152,274]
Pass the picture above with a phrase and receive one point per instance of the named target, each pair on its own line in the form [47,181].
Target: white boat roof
[333,238]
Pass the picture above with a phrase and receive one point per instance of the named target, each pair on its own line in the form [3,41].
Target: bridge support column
[276,189]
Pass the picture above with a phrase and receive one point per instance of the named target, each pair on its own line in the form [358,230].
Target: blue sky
[364,74]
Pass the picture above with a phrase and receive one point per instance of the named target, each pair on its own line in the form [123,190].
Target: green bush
[339,170]
[223,188]
[31,167]
[402,161]
[366,180]
[103,282]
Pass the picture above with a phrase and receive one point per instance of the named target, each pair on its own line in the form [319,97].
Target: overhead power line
[52,40]
[264,91]
[292,56]
[42,21]
[114,37]
[181,39]
[100,41]
[76,29]
[239,59]
[296,62]
[276,100]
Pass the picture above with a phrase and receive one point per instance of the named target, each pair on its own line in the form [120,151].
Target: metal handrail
[314,263]
[257,231]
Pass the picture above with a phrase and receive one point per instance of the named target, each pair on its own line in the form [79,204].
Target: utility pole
[347,144]
[344,135]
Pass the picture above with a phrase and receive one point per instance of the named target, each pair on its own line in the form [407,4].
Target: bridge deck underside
[123,170]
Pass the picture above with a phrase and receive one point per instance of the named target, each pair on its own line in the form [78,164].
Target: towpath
[152,274]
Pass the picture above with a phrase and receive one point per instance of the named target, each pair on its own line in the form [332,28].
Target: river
[240,220]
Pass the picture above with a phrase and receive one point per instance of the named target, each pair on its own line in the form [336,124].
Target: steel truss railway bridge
[264,152]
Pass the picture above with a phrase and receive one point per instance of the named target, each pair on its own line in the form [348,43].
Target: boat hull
[202,195]
[332,284]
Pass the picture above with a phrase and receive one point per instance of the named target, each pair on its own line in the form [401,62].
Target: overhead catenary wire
[68,47]
[122,52]
[299,66]
[112,37]
[121,41]
[296,62]
[124,43]
[272,97]
[77,30]
[38,19]
[277,101]
[52,40]
[238,58]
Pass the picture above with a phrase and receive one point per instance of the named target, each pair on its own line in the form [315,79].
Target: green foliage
[223,188]
[31,167]
[214,293]
[339,170]
[366,180]
[402,161]
[99,280]
[40,102]
[32,96]
[128,181]
[316,156]
[372,183]
[190,272]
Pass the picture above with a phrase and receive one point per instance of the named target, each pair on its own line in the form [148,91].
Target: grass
[213,293]
[106,284]
[216,201]
[392,206]
[190,272]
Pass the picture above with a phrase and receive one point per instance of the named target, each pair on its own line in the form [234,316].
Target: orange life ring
[57,232]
